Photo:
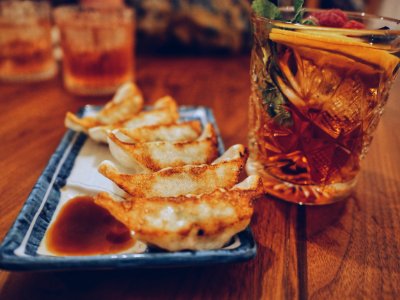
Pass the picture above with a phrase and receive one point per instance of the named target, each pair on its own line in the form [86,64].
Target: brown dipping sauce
[84,228]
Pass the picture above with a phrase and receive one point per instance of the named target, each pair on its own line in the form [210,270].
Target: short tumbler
[26,52]
[98,48]
[317,96]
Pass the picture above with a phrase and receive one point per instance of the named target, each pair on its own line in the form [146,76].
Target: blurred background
[96,40]
[187,26]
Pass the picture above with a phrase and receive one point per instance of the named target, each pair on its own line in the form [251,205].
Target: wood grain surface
[346,250]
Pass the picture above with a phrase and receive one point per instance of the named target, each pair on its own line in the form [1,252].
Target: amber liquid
[99,67]
[324,141]
[83,228]
[26,51]
[312,115]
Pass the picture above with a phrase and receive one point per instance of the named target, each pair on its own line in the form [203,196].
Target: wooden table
[347,250]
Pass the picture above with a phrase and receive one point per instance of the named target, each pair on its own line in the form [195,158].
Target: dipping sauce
[84,228]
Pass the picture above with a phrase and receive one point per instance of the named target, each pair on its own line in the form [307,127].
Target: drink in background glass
[317,97]
[98,45]
[26,51]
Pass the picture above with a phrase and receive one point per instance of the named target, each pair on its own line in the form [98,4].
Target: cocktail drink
[26,51]
[98,48]
[317,97]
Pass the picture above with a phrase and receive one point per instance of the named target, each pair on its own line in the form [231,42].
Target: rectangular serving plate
[19,248]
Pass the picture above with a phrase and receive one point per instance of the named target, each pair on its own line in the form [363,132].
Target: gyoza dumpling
[200,222]
[127,101]
[185,131]
[176,181]
[154,156]
[165,111]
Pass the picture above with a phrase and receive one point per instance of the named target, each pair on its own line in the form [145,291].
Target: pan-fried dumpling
[176,181]
[195,222]
[154,156]
[127,101]
[185,131]
[165,111]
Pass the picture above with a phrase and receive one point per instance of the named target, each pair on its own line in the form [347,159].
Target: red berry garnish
[331,18]
[352,24]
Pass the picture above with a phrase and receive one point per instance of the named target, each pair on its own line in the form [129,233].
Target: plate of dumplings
[133,185]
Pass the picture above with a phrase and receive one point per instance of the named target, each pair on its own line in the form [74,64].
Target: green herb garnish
[267,9]
[273,100]
[298,11]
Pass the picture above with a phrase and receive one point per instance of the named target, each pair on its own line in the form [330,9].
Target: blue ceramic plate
[19,250]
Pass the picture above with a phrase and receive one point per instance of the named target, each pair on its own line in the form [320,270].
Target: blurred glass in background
[26,51]
[98,47]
